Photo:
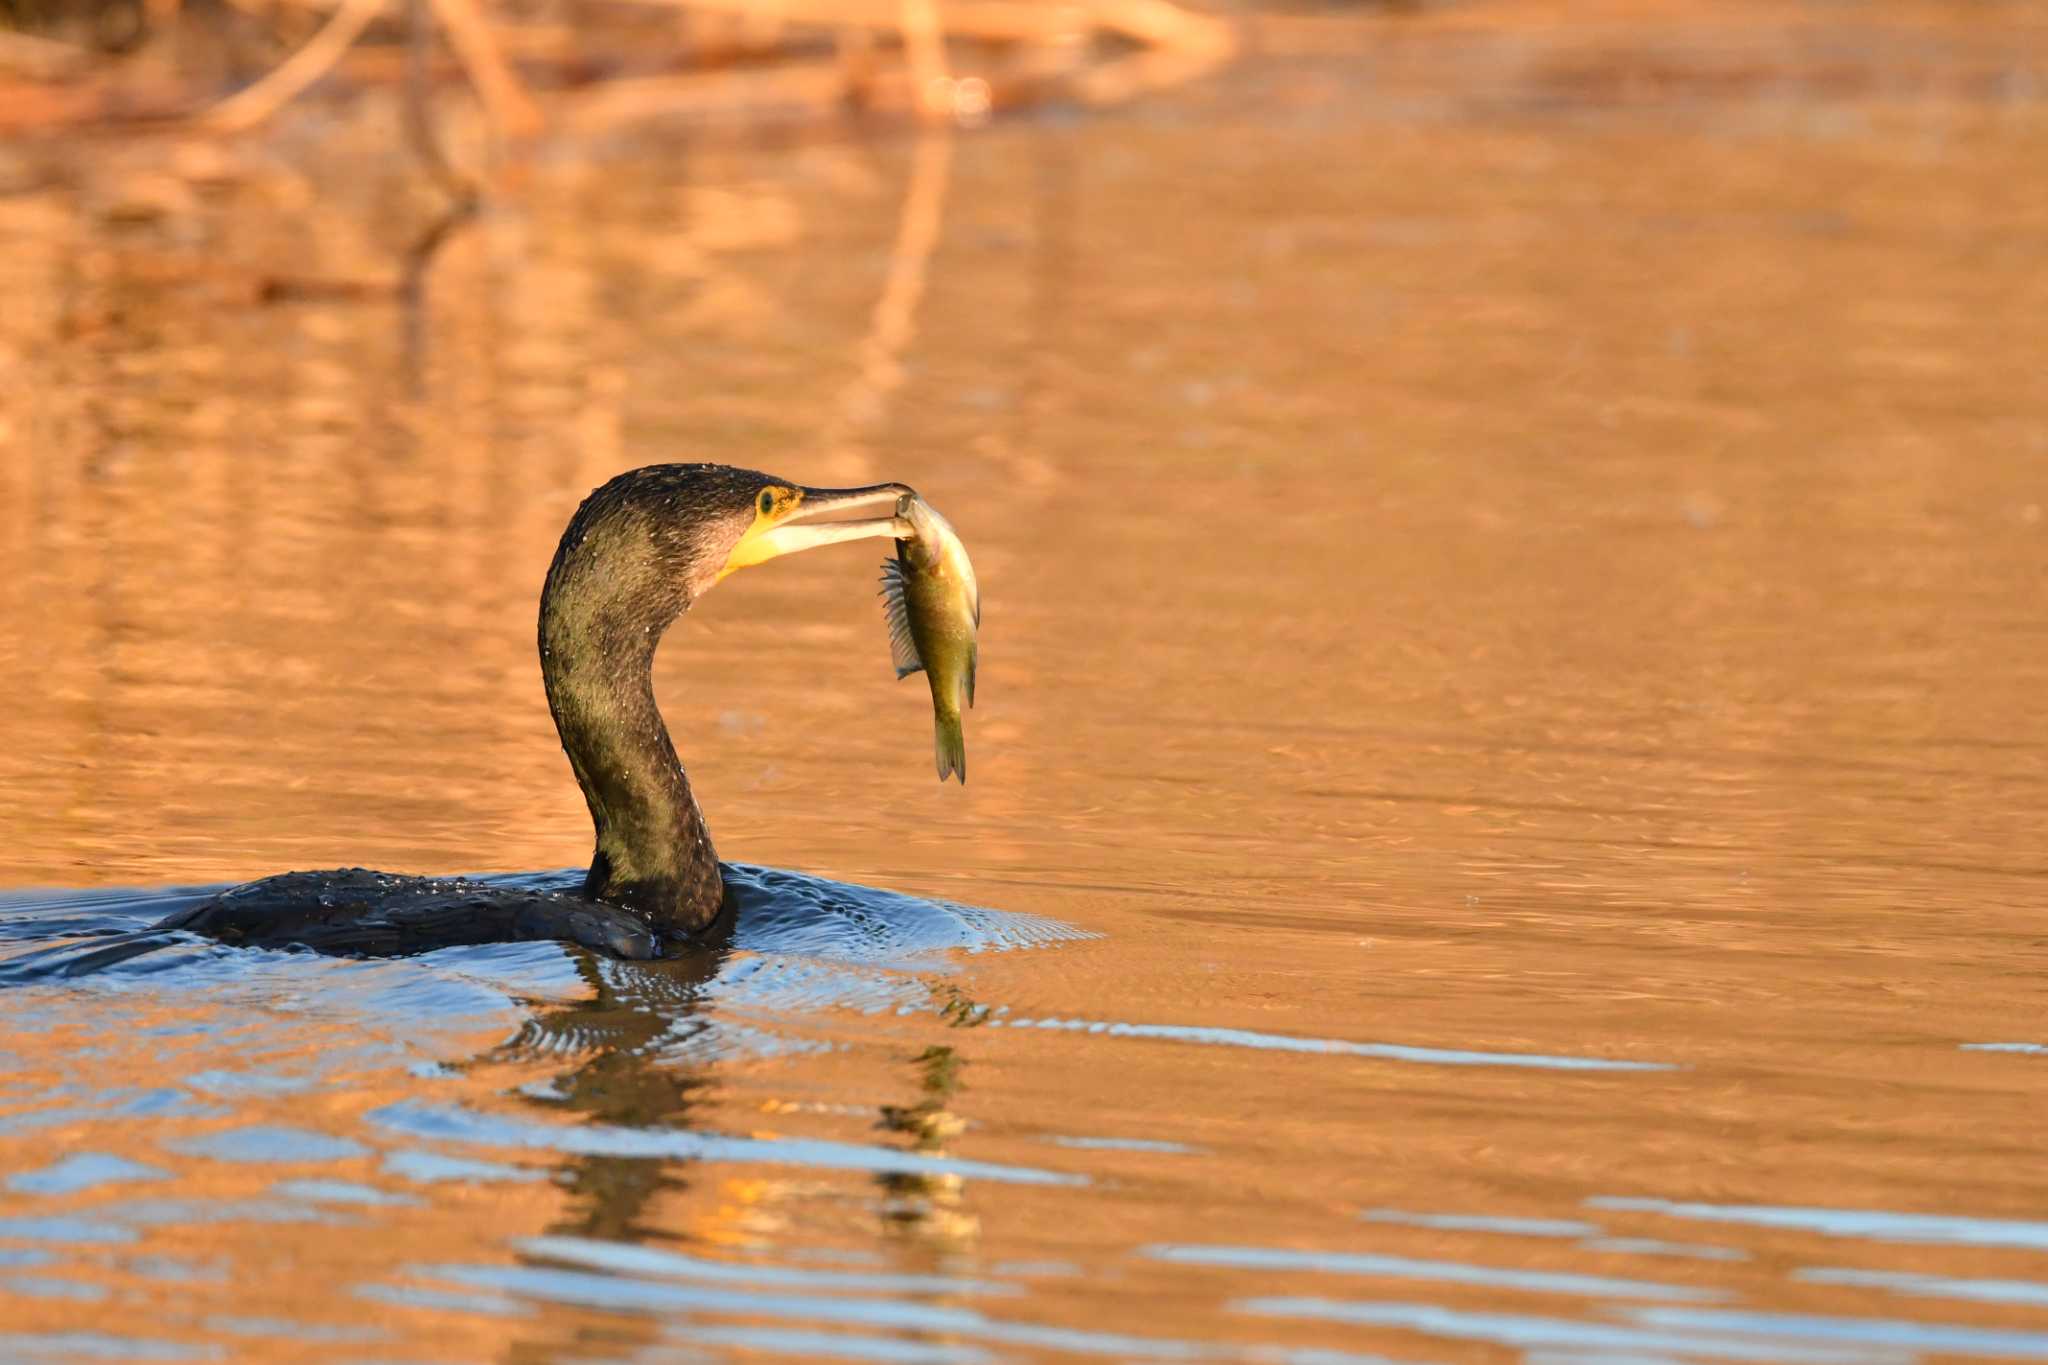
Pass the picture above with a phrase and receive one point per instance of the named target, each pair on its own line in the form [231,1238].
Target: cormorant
[637,554]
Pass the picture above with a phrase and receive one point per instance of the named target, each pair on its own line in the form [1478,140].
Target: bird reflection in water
[627,1075]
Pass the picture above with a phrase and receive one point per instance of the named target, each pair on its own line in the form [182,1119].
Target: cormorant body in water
[637,554]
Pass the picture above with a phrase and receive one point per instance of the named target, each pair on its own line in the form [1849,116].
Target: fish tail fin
[951,746]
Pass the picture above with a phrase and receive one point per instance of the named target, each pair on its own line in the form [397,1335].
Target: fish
[934,610]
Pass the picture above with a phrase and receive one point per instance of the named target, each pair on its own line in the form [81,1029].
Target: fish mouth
[827,516]
[818,504]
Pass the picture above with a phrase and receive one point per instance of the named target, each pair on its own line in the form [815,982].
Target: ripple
[1282,1042]
[428,1168]
[251,1082]
[2031,1293]
[342,1192]
[800,943]
[1480,1222]
[266,1143]
[172,1212]
[83,1171]
[98,1346]
[804,1345]
[1530,1332]
[1871,1224]
[450,1124]
[650,1261]
[1115,1144]
[291,1329]
[2003,1343]
[49,1287]
[587,1289]
[443,1300]
[1650,1246]
[791,912]
[1408,1268]
[617,1294]
[61,1228]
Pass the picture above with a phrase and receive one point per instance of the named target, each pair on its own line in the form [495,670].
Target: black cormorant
[637,554]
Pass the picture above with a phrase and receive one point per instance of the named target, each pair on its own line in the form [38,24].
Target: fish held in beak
[933,606]
[788,518]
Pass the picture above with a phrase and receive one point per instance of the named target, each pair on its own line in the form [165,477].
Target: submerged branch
[512,110]
[813,58]
[247,108]
[894,322]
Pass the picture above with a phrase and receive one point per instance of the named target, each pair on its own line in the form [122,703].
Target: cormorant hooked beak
[789,518]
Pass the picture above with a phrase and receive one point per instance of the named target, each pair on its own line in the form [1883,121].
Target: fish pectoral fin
[967,684]
[902,648]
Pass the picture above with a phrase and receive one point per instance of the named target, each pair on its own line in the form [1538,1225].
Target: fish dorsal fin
[973,657]
[902,648]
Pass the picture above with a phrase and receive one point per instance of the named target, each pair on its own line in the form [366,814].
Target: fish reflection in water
[928,1204]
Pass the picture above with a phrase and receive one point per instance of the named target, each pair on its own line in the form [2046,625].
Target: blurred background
[1512,536]
[320,320]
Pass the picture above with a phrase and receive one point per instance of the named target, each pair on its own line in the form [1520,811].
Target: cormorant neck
[603,612]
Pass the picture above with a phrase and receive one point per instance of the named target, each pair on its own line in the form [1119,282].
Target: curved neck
[654,854]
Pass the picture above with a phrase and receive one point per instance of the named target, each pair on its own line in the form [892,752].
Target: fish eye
[767,501]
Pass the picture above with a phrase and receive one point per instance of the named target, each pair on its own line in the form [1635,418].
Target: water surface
[1510,804]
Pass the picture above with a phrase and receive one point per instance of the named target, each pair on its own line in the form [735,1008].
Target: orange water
[1486,571]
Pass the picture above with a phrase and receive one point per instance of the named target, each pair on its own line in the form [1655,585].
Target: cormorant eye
[767,502]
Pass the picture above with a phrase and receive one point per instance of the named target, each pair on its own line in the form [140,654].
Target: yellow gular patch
[771,505]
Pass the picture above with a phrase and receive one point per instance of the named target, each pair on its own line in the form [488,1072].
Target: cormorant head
[703,522]
[774,517]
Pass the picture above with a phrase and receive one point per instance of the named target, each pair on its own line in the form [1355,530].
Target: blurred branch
[43,59]
[247,108]
[894,323]
[998,20]
[1129,77]
[419,105]
[924,47]
[917,237]
[512,110]
[814,87]
[891,56]
[1162,25]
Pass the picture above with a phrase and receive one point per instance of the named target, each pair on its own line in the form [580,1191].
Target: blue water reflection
[1410,1268]
[84,1171]
[1522,1331]
[446,1124]
[1280,1042]
[1480,1222]
[1985,1342]
[1870,1224]
[2029,1293]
